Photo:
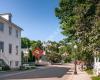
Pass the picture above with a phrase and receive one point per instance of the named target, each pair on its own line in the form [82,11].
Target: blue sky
[36,17]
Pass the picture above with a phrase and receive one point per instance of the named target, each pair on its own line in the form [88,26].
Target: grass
[89,71]
[95,78]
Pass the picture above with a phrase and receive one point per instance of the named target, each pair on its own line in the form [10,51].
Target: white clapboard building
[10,42]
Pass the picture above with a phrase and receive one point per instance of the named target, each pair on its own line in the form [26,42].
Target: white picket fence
[97,68]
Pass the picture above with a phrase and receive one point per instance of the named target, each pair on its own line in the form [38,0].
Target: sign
[37,53]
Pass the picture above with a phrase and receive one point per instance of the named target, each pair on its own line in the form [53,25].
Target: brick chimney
[7,16]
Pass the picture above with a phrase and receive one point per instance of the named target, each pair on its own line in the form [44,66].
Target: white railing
[97,68]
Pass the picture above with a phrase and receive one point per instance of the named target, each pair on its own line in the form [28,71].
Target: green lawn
[95,78]
[89,71]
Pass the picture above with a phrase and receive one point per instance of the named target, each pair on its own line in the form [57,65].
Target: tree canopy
[80,22]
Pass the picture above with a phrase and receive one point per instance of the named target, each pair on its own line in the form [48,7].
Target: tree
[52,52]
[80,22]
[54,57]
[31,58]
[36,44]
[67,17]
[31,45]
[25,42]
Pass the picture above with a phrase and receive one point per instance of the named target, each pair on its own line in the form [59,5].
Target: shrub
[54,57]
[22,67]
[33,67]
[27,67]
[89,71]
[5,68]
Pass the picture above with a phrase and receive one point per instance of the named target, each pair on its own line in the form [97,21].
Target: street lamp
[75,70]
[44,48]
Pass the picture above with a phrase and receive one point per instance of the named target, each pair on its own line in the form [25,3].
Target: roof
[5,14]
[10,22]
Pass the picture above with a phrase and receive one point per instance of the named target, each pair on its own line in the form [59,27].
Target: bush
[95,78]
[5,68]
[27,67]
[68,59]
[89,71]
[54,57]
[33,67]
[22,67]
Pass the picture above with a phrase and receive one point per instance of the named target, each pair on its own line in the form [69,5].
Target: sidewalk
[81,75]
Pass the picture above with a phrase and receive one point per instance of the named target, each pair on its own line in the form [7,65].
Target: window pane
[10,63]
[1,46]
[16,63]
[17,33]
[16,50]
[10,30]
[1,26]
[10,48]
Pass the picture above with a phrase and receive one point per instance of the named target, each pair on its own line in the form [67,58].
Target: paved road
[41,73]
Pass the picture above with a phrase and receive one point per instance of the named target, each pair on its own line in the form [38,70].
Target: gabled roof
[11,23]
[6,14]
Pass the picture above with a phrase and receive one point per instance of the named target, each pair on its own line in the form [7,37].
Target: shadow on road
[49,72]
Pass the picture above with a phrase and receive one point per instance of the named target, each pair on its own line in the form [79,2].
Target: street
[49,72]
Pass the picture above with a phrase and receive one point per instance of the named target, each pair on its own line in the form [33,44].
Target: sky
[35,17]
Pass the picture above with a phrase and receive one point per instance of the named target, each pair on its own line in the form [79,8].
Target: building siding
[11,39]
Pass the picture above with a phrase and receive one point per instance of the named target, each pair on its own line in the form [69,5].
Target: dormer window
[1,27]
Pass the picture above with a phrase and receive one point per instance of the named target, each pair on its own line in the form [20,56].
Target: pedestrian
[82,65]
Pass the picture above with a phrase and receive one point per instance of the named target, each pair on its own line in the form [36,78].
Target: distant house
[10,41]
[25,52]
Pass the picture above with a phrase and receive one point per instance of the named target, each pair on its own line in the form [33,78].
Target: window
[1,46]
[10,30]
[1,27]
[10,63]
[16,63]
[10,48]
[17,33]
[16,50]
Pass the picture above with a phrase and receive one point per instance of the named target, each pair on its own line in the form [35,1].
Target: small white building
[97,63]
[10,41]
[25,52]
